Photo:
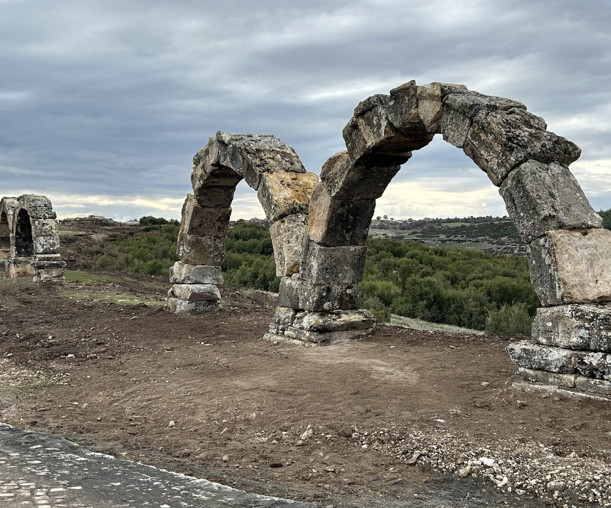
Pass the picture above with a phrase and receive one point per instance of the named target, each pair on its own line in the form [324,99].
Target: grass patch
[88,277]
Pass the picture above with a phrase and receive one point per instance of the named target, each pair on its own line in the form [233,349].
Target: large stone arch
[568,250]
[7,210]
[283,187]
[35,247]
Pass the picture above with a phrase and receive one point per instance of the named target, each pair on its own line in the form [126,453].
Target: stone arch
[7,209]
[35,247]
[283,187]
[568,250]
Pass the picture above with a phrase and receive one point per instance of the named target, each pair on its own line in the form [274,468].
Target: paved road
[47,471]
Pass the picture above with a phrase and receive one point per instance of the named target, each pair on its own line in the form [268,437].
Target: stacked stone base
[194,289]
[570,348]
[46,268]
[319,327]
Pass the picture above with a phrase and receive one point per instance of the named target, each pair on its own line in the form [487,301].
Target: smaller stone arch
[7,210]
[35,246]
[283,187]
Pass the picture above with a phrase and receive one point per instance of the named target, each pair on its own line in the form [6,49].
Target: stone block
[195,292]
[333,265]
[201,250]
[571,266]
[288,239]
[499,141]
[215,197]
[593,385]
[178,306]
[283,319]
[44,227]
[289,291]
[203,221]
[531,356]
[38,207]
[540,376]
[328,297]
[46,244]
[20,266]
[540,197]
[430,103]
[562,361]
[575,326]
[339,321]
[335,221]
[308,336]
[461,107]
[182,273]
[345,180]
[282,193]
[208,175]
[386,124]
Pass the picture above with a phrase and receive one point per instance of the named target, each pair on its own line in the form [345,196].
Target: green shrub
[510,320]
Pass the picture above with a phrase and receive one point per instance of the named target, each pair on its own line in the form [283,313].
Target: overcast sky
[104,102]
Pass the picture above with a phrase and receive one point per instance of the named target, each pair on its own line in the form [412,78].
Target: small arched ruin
[29,239]
[320,248]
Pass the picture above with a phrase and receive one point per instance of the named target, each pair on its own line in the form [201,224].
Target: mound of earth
[398,418]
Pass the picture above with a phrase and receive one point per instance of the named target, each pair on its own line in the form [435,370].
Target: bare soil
[398,418]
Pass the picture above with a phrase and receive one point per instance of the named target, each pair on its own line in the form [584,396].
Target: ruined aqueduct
[319,228]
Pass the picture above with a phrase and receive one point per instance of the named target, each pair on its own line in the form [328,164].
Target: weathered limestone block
[44,227]
[38,207]
[201,250]
[461,108]
[386,124]
[283,319]
[552,378]
[49,270]
[198,220]
[249,155]
[593,385]
[345,180]
[288,239]
[282,193]
[499,141]
[46,244]
[574,326]
[333,265]
[195,292]
[178,306]
[214,196]
[335,221]
[182,273]
[540,197]
[338,321]
[562,361]
[301,294]
[430,103]
[571,266]
[328,297]
[20,267]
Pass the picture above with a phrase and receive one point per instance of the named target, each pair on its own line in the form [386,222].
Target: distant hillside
[495,235]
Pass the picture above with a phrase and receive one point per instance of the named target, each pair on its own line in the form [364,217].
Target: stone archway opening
[24,243]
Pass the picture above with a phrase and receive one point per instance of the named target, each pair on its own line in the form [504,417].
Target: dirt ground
[398,418]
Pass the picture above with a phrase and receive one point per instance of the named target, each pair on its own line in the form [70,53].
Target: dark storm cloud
[102,99]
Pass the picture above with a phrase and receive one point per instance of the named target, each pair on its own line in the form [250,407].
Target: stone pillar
[201,250]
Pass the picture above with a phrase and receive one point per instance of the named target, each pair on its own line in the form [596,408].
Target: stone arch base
[33,239]
[283,187]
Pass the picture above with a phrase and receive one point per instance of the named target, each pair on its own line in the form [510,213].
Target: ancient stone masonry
[321,256]
[283,187]
[29,239]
